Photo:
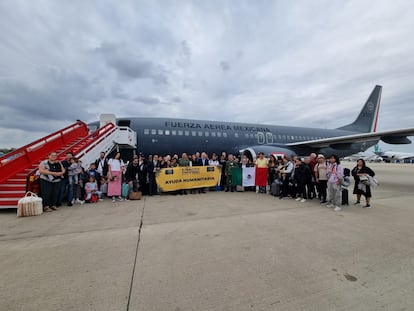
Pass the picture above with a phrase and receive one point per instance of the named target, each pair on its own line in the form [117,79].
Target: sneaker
[367,206]
[298,199]
[113,199]
[81,202]
[120,199]
[330,205]
[100,200]
[323,202]
[303,200]
[357,203]
[337,209]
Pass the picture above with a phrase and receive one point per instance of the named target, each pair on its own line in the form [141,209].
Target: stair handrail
[98,135]
[28,154]
[34,145]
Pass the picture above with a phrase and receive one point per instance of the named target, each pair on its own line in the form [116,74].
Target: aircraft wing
[389,137]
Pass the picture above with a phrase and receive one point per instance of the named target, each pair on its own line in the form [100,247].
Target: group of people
[299,178]
[68,180]
[316,176]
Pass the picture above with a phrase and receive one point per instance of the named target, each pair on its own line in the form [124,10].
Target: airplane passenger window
[167,132]
[200,133]
[180,133]
[236,135]
[146,131]
[224,134]
[218,134]
[153,132]
[160,132]
[213,134]
[187,133]
[253,135]
[246,135]
[193,133]
[206,134]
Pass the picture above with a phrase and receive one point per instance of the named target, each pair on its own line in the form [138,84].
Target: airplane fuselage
[173,136]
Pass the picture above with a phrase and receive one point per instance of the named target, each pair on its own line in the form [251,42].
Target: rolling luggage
[345,199]
[275,188]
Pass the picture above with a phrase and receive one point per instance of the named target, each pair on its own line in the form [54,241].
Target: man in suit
[101,164]
[202,161]
[153,167]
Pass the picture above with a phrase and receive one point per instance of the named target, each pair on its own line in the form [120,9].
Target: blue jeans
[63,185]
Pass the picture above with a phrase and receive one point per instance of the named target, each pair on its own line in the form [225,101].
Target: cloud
[225,66]
[132,65]
[147,100]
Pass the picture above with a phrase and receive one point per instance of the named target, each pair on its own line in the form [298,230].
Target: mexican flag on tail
[249,176]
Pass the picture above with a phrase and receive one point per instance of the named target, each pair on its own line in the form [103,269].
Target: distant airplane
[390,156]
[173,136]
[356,156]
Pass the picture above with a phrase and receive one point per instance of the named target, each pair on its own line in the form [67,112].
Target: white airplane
[390,156]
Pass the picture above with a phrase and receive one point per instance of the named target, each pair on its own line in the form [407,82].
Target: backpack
[346,181]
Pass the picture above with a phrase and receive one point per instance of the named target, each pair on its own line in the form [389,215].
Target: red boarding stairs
[18,169]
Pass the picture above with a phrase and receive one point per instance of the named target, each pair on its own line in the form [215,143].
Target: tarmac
[215,251]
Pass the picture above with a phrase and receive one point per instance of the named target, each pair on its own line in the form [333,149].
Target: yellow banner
[189,177]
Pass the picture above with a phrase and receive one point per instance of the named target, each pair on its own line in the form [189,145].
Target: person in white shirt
[115,168]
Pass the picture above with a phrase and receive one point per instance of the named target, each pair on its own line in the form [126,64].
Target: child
[74,171]
[104,186]
[91,187]
[93,172]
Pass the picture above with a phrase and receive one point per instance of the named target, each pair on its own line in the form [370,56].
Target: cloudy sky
[304,63]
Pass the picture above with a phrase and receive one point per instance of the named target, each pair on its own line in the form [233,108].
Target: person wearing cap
[321,177]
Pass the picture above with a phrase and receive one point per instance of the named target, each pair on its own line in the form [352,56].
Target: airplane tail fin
[367,120]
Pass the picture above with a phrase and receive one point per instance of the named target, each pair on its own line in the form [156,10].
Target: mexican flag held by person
[261,176]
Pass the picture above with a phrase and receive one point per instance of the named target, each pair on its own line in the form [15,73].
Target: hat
[321,156]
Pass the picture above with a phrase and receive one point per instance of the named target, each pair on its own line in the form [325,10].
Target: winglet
[368,117]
